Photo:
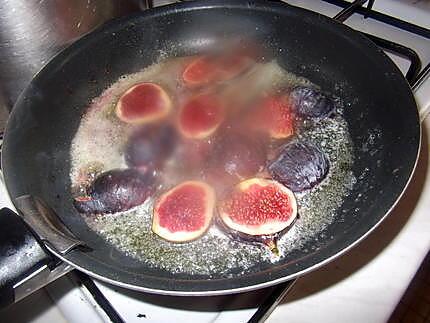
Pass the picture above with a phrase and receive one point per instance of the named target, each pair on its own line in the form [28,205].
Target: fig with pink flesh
[206,70]
[185,212]
[258,210]
[148,147]
[143,103]
[200,71]
[274,115]
[200,116]
[115,191]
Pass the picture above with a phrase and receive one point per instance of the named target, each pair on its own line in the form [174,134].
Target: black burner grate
[368,12]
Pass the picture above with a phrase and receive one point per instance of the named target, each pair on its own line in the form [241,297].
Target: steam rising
[99,144]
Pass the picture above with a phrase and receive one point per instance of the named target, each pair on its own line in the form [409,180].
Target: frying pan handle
[25,265]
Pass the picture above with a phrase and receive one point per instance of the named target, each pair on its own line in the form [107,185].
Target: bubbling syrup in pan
[99,146]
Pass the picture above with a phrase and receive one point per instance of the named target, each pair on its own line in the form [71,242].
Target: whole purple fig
[115,191]
[310,103]
[300,165]
[149,146]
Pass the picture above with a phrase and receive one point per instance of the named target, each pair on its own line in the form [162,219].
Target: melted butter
[100,140]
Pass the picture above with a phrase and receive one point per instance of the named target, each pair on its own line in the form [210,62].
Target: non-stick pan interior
[381,114]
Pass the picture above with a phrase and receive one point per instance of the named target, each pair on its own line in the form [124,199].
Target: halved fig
[243,94]
[200,116]
[200,71]
[143,103]
[274,115]
[115,191]
[232,65]
[281,120]
[185,212]
[258,210]
[215,68]
[299,165]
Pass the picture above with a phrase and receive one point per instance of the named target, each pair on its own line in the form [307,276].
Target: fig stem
[273,247]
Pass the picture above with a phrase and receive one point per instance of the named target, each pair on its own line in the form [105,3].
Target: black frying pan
[35,157]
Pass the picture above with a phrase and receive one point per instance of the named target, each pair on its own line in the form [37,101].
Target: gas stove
[363,285]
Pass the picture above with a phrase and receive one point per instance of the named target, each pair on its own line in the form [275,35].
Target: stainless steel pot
[32,31]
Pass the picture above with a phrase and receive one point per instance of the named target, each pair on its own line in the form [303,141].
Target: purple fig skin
[239,155]
[300,165]
[115,191]
[310,103]
[149,146]
[268,240]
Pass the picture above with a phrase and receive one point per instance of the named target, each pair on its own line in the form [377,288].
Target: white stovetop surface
[364,285]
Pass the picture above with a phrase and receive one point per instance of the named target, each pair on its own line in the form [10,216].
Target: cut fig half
[208,69]
[185,212]
[258,210]
[199,72]
[281,123]
[143,103]
[200,116]
[232,65]
[274,115]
